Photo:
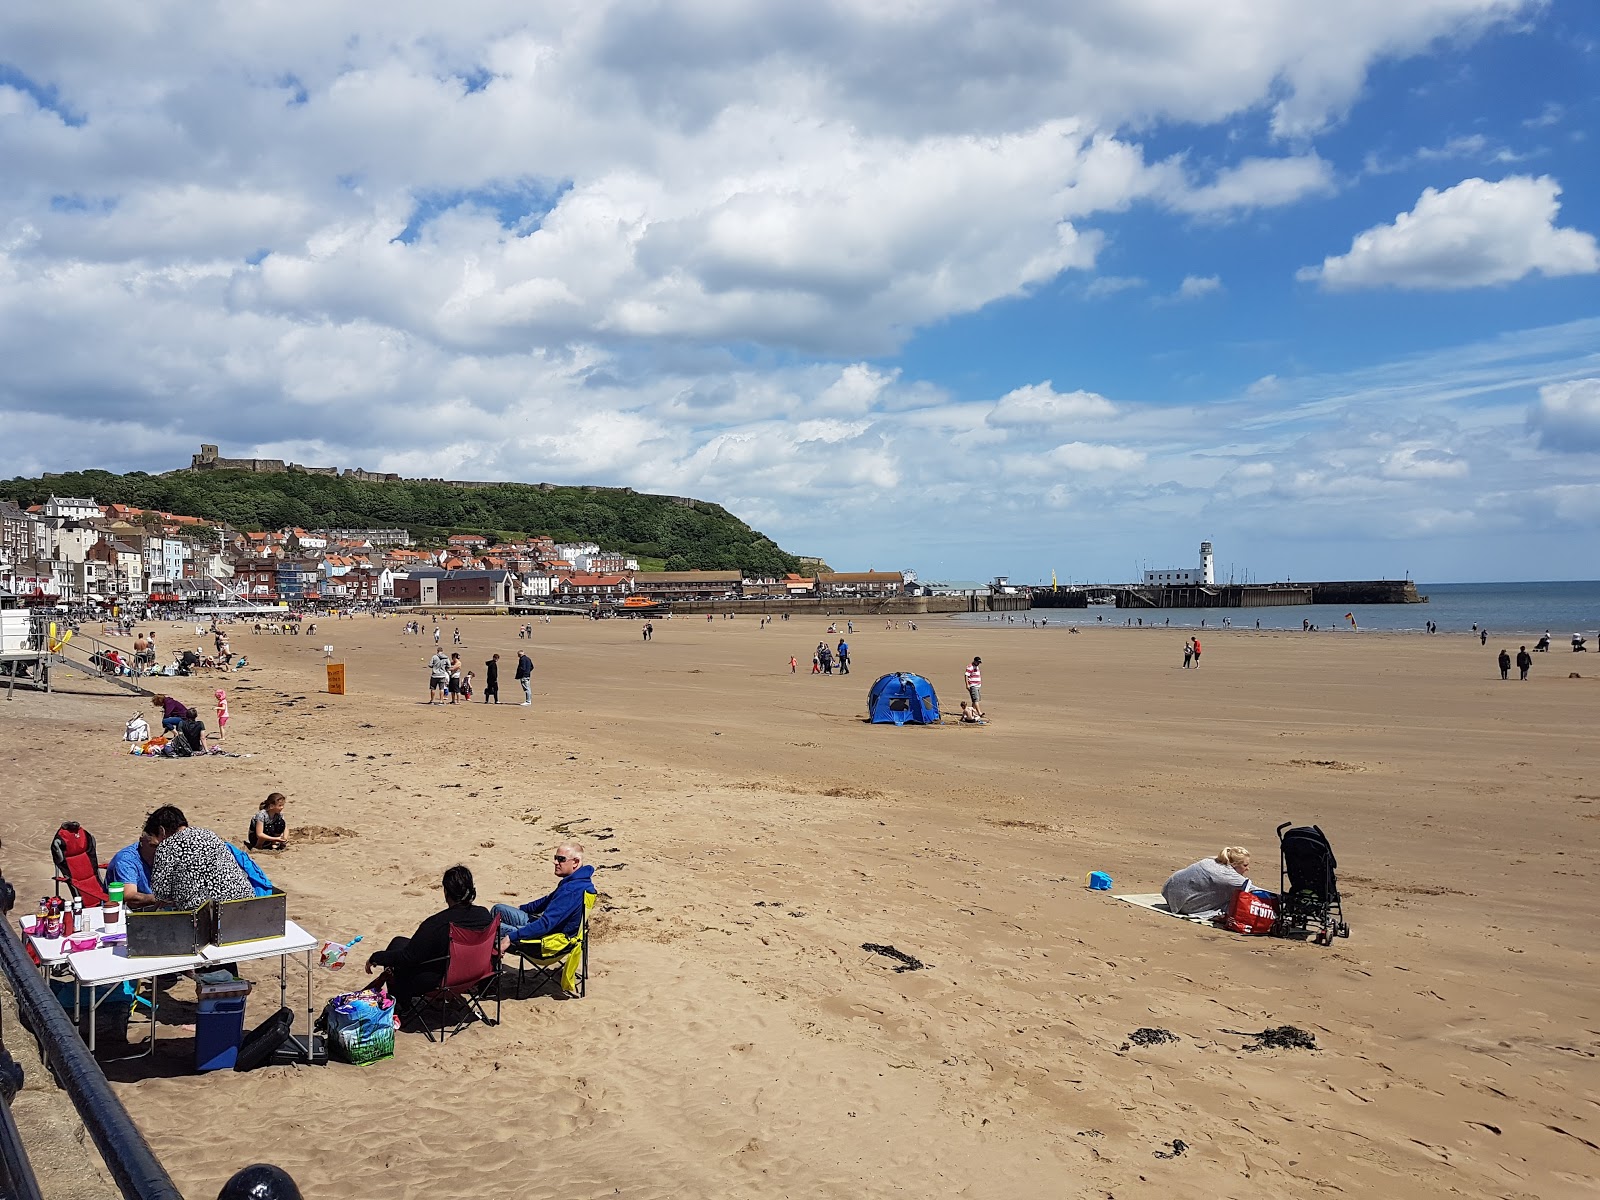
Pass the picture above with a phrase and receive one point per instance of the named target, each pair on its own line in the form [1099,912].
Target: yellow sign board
[335,679]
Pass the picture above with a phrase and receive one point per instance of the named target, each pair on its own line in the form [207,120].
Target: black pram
[1308,889]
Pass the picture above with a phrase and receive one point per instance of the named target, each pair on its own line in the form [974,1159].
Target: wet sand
[752,832]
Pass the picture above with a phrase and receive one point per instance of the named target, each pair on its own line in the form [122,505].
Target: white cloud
[1041,404]
[1194,287]
[1566,416]
[1257,183]
[1110,285]
[1472,235]
[1087,456]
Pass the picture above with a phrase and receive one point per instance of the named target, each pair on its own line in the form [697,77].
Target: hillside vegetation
[685,536]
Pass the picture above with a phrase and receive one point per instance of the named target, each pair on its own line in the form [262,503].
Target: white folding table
[107,965]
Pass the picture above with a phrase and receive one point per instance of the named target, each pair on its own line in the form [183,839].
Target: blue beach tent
[903,698]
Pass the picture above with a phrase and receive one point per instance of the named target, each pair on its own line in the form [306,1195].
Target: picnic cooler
[168,933]
[219,1024]
[252,920]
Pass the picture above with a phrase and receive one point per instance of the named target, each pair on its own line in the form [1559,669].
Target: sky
[966,287]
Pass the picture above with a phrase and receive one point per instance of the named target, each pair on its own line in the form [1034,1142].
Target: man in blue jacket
[559,912]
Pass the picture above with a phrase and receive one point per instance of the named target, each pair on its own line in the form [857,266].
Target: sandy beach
[751,832]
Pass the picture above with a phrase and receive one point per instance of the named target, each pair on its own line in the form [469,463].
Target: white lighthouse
[1186,576]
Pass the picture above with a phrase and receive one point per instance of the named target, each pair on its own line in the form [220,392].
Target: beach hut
[903,698]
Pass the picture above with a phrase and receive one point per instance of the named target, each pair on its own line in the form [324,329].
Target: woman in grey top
[1210,884]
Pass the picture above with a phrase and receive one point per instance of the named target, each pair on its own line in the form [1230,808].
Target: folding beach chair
[1308,888]
[559,958]
[78,864]
[472,968]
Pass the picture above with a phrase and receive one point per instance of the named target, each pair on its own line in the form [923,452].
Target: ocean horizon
[1507,610]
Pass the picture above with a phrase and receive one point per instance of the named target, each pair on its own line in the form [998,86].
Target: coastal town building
[860,583]
[373,537]
[456,587]
[689,585]
[1203,576]
[586,586]
[72,508]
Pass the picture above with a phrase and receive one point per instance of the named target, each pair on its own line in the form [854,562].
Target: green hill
[682,534]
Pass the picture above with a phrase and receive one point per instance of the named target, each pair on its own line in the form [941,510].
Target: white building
[572,551]
[537,585]
[1205,576]
[72,508]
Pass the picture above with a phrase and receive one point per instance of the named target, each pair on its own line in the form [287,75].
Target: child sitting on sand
[268,829]
[969,715]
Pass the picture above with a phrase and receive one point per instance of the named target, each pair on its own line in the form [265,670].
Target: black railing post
[16,1173]
[134,1167]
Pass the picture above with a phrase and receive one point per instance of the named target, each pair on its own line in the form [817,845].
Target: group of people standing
[822,661]
[447,677]
[1191,653]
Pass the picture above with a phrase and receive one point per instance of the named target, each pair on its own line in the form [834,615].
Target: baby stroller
[1308,891]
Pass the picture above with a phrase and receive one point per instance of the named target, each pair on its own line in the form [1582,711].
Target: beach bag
[1251,913]
[359,1026]
[138,730]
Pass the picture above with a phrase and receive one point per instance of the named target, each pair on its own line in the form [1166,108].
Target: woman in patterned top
[192,865]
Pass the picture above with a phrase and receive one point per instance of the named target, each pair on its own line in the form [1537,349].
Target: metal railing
[134,1167]
[16,1173]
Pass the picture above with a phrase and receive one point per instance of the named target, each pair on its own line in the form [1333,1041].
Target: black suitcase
[290,1052]
[261,1044]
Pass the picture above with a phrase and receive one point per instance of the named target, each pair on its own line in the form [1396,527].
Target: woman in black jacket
[414,966]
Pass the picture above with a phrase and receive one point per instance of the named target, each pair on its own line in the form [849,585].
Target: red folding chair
[78,864]
[471,969]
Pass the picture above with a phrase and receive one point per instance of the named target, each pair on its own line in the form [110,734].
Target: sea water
[1521,610]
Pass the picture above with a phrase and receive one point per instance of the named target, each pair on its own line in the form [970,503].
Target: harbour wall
[1249,595]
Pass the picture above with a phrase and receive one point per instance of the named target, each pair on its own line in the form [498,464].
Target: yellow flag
[1052,579]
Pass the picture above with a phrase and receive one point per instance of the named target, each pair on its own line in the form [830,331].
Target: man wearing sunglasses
[559,912]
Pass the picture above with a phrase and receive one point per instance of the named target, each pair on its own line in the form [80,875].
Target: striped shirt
[974,676]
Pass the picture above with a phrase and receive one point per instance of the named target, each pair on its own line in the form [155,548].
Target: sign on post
[335,679]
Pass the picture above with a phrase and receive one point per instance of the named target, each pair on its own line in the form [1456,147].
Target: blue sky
[968,288]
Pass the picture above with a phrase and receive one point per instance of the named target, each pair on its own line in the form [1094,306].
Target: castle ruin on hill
[209,460]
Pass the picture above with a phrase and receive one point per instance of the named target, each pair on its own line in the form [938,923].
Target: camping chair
[78,864]
[471,969]
[559,957]
[1308,889]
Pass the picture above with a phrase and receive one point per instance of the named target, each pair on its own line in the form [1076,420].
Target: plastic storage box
[218,1030]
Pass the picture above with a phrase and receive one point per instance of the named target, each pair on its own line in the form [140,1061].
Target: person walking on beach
[844,657]
[525,677]
[1524,661]
[974,681]
[438,677]
[794,665]
[1505,664]
[491,679]
[1196,642]
[1483,637]
[1188,653]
